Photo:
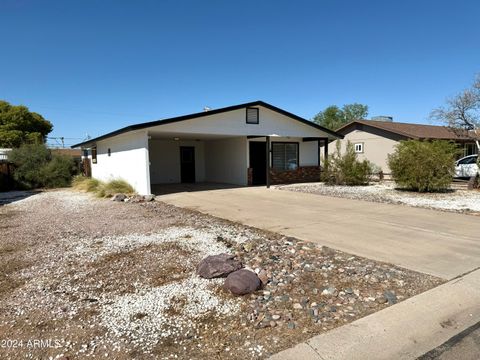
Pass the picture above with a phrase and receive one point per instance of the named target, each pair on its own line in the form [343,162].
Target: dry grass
[11,265]
[155,265]
[102,189]
[83,183]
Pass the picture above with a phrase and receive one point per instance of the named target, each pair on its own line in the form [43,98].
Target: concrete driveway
[438,243]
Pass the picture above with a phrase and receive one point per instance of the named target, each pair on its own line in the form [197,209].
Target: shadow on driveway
[12,196]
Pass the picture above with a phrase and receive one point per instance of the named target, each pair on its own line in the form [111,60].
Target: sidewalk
[403,331]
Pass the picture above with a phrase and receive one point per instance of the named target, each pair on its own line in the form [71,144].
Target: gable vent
[252,115]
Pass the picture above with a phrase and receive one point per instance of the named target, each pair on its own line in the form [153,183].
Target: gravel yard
[465,201]
[83,277]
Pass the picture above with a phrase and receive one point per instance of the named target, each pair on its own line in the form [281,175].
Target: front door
[258,162]
[187,164]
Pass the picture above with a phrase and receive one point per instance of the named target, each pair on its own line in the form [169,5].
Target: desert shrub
[29,160]
[35,167]
[114,187]
[58,171]
[424,166]
[346,169]
[84,183]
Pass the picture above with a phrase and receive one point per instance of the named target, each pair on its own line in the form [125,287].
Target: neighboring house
[227,145]
[4,154]
[374,140]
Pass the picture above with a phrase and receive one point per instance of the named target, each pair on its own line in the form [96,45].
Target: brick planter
[301,174]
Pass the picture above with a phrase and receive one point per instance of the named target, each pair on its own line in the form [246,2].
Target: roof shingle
[415,131]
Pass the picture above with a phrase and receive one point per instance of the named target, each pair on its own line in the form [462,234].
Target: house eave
[203,114]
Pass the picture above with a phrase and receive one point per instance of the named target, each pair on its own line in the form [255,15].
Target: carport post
[325,149]
[267,154]
[318,153]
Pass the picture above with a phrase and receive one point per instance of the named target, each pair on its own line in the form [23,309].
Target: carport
[247,144]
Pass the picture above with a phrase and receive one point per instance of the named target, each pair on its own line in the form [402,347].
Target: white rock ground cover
[456,200]
[117,280]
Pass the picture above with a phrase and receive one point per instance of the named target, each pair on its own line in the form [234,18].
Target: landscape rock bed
[456,200]
[107,279]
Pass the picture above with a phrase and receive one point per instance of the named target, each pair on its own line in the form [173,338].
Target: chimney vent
[383,118]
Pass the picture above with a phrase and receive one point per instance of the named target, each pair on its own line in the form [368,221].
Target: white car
[466,167]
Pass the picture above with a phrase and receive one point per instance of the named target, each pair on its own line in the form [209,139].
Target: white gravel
[65,200]
[202,241]
[142,317]
[457,200]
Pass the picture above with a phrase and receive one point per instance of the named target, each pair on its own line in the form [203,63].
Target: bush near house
[84,183]
[424,166]
[346,169]
[36,167]
[102,189]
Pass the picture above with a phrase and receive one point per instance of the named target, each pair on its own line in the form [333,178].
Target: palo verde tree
[334,117]
[18,125]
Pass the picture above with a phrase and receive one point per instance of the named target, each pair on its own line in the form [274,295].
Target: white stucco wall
[234,123]
[128,161]
[165,160]
[226,161]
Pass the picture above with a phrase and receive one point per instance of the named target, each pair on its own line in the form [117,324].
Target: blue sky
[94,66]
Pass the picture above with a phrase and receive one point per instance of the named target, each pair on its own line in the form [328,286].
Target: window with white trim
[359,148]
[284,156]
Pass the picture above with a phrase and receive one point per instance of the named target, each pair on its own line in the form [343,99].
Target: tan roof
[414,131]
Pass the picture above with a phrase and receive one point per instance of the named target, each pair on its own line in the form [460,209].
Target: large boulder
[242,282]
[221,265]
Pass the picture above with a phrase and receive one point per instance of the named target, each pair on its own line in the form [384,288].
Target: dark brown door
[258,162]
[187,164]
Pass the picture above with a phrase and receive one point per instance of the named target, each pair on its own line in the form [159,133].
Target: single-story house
[374,140]
[248,144]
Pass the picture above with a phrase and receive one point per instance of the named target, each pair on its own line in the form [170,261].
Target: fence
[6,179]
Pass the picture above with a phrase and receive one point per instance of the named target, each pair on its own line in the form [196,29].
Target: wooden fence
[6,176]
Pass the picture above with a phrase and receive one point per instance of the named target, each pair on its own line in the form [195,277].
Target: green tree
[424,166]
[36,166]
[333,117]
[18,125]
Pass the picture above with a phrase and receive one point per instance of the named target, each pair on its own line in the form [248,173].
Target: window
[469,149]
[94,155]
[468,160]
[359,148]
[284,156]
[252,115]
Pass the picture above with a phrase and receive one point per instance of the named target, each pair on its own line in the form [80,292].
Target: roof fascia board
[208,113]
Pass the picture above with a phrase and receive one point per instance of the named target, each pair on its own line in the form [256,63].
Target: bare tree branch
[462,112]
